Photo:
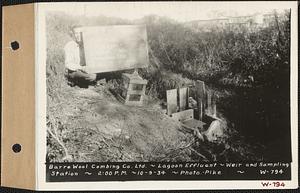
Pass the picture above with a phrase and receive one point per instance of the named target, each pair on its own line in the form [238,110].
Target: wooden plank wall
[184,115]
[171,101]
[183,99]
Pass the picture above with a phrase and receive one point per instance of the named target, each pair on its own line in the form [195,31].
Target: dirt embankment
[92,125]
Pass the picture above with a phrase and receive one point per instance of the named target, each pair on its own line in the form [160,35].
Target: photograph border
[41,9]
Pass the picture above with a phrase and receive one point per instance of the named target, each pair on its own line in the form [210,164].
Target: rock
[101,82]
[215,130]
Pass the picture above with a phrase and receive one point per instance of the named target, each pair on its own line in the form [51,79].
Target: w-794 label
[273,184]
[272,171]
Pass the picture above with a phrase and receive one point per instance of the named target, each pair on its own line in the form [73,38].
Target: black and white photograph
[165,84]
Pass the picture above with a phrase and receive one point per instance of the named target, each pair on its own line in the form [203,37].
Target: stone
[101,82]
[215,130]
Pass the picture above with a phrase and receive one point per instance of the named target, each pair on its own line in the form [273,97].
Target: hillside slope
[95,126]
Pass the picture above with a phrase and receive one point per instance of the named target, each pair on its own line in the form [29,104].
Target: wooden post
[200,109]
[171,101]
[209,107]
[200,92]
[183,99]
[214,104]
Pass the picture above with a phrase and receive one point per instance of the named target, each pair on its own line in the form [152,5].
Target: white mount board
[115,48]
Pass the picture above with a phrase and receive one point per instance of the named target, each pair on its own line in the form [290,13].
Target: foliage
[253,56]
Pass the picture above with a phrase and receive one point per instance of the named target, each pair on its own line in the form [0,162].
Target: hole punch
[14,45]
[16,148]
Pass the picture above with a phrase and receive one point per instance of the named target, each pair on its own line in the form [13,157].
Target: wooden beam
[214,104]
[209,106]
[200,89]
[171,101]
[193,124]
[183,98]
[184,115]
[200,97]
